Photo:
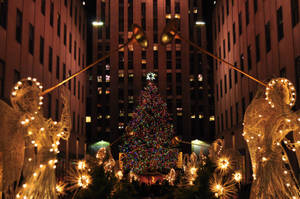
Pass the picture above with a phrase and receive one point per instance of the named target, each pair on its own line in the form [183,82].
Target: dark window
[143,16]
[83,32]
[70,42]
[75,49]
[155,62]
[169,78]
[217,92]
[130,14]
[233,33]
[257,46]
[227,7]
[219,23]
[58,24]
[3,13]
[50,57]
[56,109]
[66,2]
[121,60]
[74,88]
[71,8]
[230,78]
[235,74]
[222,122]
[130,59]
[51,13]
[31,39]
[247,12]
[231,117]
[64,71]
[242,64]
[249,57]
[222,14]
[295,12]
[280,24]
[49,104]
[57,67]
[2,77]
[243,106]
[43,6]
[19,21]
[178,77]
[168,6]
[225,84]
[121,15]
[250,96]
[228,41]
[69,84]
[283,72]
[226,119]
[177,7]
[221,89]
[75,18]
[78,90]
[268,36]
[178,90]
[240,24]
[79,56]
[65,34]
[41,50]
[237,113]
[17,76]
[255,5]
[224,50]
[79,26]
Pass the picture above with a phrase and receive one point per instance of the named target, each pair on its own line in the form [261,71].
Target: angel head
[280,92]
[25,95]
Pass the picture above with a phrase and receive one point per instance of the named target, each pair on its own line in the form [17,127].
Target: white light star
[151,76]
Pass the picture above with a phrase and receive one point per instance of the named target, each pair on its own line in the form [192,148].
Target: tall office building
[182,73]
[46,39]
[260,37]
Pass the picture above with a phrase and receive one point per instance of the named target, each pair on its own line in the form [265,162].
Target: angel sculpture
[25,123]
[268,119]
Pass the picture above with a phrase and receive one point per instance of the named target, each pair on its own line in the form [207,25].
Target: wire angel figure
[268,119]
[29,127]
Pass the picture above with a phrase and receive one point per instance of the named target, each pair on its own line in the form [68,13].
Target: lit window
[201,116]
[168,16]
[121,125]
[130,114]
[121,113]
[179,114]
[212,118]
[107,116]
[107,67]
[107,92]
[107,129]
[99,78]
[200,77]
[100,90]
[99,117]
[201,87]
[191,78]
[177,16]
[144,61]
[155,48]
[121,74]
[107,78]
[193,116]
[88,119]
[179,109]
[130,75]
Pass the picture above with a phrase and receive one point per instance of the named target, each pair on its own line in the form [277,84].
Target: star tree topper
[151,76]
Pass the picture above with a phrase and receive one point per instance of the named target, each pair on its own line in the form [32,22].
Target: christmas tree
[147,145]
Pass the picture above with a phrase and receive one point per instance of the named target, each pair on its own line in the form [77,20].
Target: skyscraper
[182,73]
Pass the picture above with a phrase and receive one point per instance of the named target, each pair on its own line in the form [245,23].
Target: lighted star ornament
[151,76]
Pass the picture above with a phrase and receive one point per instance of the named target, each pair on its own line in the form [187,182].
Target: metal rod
[86,68]
[219,59]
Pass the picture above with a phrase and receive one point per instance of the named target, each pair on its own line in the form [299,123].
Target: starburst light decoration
[151,76]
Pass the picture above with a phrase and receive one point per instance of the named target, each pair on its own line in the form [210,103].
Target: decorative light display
[150,76]
[79,177]
[43,135]
[268,119]
[171,177]
[101,154]
[60,188]
[222,188]
[147,145]
[223,164]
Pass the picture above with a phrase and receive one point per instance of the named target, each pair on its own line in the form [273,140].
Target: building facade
[46,40]
[260,38]
[181,72]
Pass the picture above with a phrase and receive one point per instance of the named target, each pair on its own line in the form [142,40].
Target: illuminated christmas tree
[147,145]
